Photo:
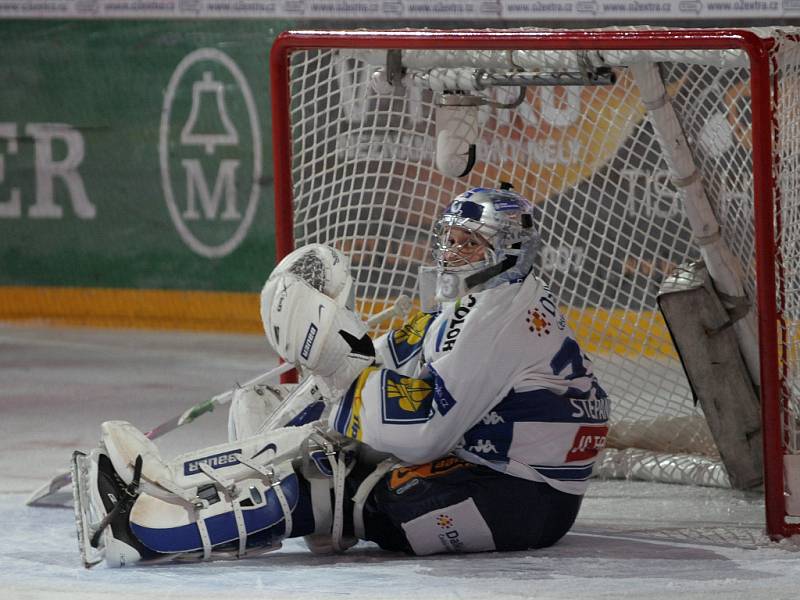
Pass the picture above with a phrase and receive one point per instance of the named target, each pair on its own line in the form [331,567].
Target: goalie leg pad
[214,498]
[169,528]
[181,479]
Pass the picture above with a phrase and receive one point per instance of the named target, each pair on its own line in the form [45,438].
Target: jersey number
[569,355]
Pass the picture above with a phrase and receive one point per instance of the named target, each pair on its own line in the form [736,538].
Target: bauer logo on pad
[311,334]
[215,461]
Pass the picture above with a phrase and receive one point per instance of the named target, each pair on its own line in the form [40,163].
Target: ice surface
[632,540]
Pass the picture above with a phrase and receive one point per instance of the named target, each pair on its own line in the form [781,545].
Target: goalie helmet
[498,221]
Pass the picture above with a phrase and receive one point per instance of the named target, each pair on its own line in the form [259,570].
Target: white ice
[632,540]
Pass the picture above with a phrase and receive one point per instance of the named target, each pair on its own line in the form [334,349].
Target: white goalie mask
[485,237]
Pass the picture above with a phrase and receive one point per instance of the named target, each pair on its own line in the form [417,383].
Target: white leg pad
[179,479]
[233,494]
[254,506]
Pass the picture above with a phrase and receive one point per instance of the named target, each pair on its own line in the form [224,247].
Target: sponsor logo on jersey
[483,447]
[441,396]
[449,537]
[538,323]
[406,399]
[445,521]
[311,334]
[492,419]
[215,461]
[456,322]
[589,440]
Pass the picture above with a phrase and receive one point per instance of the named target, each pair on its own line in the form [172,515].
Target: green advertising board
[136,154]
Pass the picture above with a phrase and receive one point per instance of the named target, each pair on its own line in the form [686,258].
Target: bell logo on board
[210,153]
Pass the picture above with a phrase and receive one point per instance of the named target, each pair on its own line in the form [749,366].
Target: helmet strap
[483,276]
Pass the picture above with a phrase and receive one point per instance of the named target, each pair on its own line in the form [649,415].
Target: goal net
[643,151]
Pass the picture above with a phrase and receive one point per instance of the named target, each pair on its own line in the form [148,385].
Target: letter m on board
[197,189]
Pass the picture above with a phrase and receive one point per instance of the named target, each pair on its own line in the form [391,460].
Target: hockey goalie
[473,427]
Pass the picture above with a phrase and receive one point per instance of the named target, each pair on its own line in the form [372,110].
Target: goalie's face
[459,246]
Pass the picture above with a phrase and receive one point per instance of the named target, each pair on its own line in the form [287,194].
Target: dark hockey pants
[520,514]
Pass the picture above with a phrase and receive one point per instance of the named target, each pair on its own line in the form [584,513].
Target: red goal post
[355,165]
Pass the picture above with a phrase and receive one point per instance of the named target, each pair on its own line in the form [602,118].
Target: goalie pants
[453,505]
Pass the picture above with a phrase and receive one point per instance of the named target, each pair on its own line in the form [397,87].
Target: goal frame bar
[762,86]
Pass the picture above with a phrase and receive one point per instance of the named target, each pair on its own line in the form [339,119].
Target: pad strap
[229,489]
[321,505]
[274,482]
[363,491]
[204,537]
[339,473]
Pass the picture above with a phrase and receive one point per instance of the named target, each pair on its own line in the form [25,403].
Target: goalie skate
[100,504]
[85,515]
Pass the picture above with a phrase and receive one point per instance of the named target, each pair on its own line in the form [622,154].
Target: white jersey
[496,377]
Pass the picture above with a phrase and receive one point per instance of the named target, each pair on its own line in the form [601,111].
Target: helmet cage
[449,254]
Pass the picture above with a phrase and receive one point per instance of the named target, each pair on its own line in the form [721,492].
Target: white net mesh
[612,221]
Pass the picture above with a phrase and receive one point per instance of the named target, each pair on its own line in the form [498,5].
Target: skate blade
[81,496]
[48,494]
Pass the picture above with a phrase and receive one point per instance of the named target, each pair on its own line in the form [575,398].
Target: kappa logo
[483,447]
[209,142]
[493,419]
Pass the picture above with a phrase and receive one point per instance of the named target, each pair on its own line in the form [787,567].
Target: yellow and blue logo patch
[406,399]
[406,342]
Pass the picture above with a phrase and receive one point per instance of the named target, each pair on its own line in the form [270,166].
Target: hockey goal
[644,151]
